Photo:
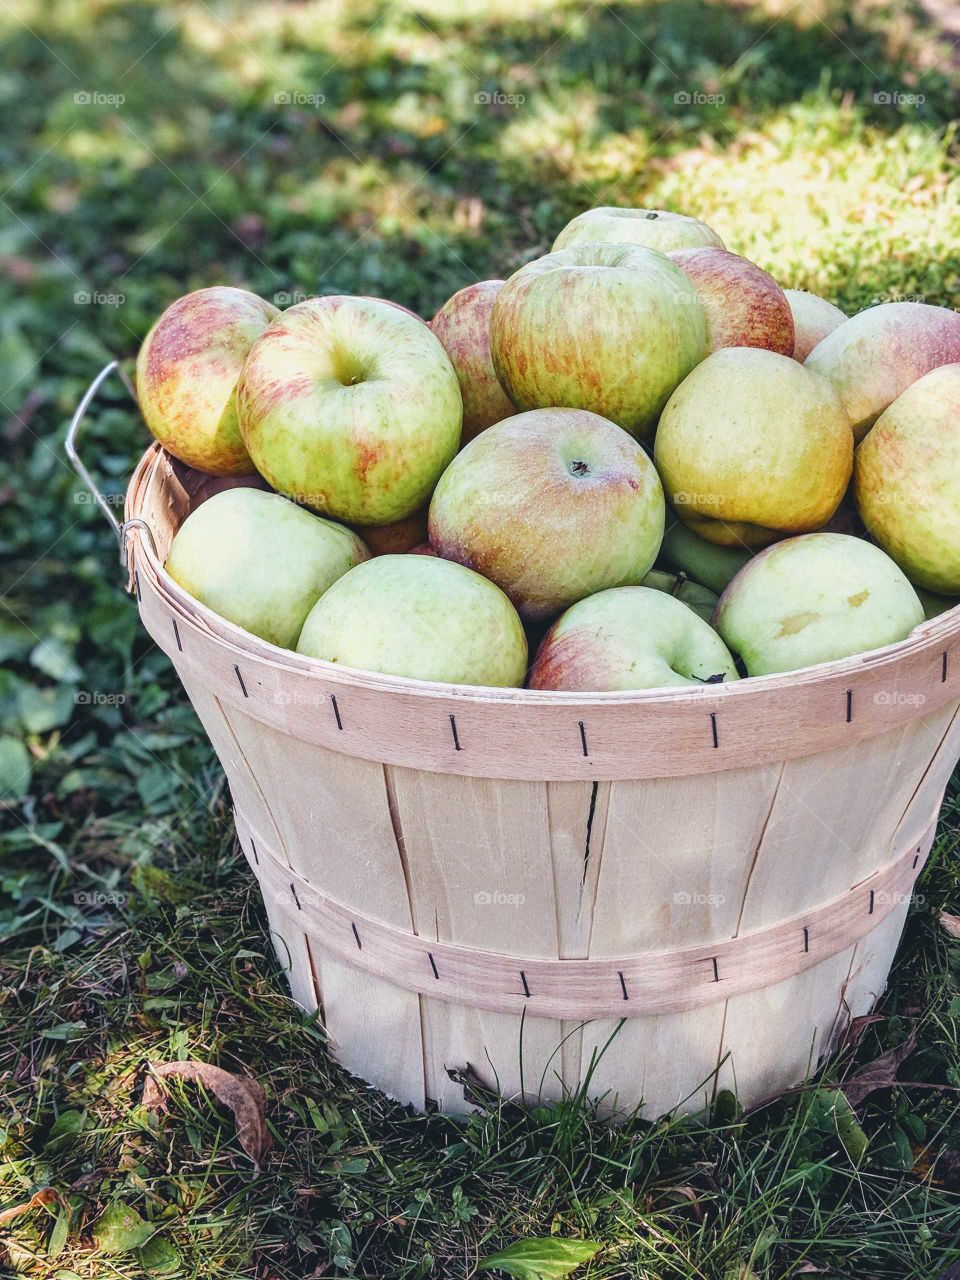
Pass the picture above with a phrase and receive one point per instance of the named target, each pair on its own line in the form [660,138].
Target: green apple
[419,616]
[187,372]
[630,638]
[351,406]
[683,551]
[463,326]
[654,228]
[873,357]
[907,481]
[744,305]
[813,319]
[752,446]
[700,599]
[260,561]
[814,599]
[550,505]
[611,328]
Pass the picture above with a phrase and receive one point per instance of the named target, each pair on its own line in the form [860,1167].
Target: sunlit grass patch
[831,204]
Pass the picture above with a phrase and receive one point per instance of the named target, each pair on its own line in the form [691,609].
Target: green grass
[359,1185]
[129,929]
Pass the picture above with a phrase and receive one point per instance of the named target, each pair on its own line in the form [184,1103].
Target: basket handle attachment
[120,528]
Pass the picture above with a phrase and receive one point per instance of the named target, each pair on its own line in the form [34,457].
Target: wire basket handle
[120,528]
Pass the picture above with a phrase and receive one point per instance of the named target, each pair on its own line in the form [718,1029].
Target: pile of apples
[447,498]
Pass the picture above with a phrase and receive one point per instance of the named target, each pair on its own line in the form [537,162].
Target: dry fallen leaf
[46,1195]
[856,1028]
[242,1094]
[688,1193]
[879,1074]
[950,924]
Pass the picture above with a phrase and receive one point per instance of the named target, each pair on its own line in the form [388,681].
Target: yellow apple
[752,447]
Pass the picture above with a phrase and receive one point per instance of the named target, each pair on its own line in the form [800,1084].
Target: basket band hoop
[653,982]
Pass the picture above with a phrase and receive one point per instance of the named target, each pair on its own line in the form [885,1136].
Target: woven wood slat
[630,986]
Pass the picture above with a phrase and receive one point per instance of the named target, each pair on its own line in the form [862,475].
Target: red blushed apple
[463,326]
[351,406]
[907,481]
[611,328]
[187,373]
[630,638]
[745,306]
[873,357]
[813,319]
[551,505]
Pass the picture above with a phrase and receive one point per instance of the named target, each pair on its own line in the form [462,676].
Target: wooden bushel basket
[666,893]
[716,878]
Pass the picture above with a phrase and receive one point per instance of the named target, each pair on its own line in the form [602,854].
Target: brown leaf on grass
[687,1193]
[879,1074]
[950,924]
[856,1028]
[941,1167]
[46,1195]
[242,1094]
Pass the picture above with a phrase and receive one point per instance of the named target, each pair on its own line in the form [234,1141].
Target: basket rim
[925,637]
